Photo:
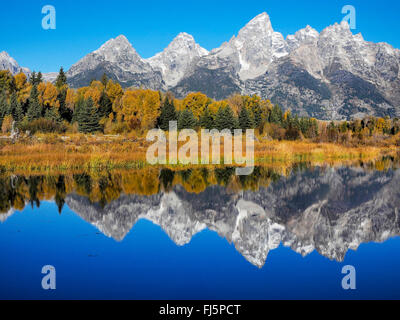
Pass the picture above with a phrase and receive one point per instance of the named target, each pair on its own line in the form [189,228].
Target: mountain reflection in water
[323,209]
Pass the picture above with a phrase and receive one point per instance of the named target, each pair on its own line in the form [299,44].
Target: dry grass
[45,153]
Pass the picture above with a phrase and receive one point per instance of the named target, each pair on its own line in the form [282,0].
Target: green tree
[65,113]
[207,119]
[39,78]
[105,105]
[245,119]
[79,106]
[52,114]
[257,115]
[226,119]
[88,119]
[276,115]
[34,108]
[16,108]
[168,113]
[61,79]
[104,80]
[32,79]
[186,120]
[3,106]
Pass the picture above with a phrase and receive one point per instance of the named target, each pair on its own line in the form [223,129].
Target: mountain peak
[174,61]
[8,63]
[261,18]
[261,24]
[184,35]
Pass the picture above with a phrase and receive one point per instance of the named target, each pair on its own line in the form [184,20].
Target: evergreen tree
[16,109]
[276,115]
[207,120]
[257,115]
[3,106]
[89,118]
[65,113]
[52,114]
[168,113]
[186,120]
[61,79]
[32,79]
[104,80]
[245,119]
[226,119]
[34,108]
[105,105]
[78,110]
[39,78]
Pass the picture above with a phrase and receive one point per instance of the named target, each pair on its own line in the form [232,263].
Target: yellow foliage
[141,108]
[48,95]
[70,99]
[7,124]
[114,91]
[196,102]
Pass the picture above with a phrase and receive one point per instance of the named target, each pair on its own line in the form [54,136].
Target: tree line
[104,106]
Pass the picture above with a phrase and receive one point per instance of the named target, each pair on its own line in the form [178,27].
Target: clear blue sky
[83,26]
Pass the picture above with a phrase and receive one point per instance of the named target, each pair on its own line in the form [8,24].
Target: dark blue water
[148,265]
[93,262]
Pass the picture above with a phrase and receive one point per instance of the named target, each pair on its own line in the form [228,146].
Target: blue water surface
[148,265]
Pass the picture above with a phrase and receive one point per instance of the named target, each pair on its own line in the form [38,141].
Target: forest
[104,107]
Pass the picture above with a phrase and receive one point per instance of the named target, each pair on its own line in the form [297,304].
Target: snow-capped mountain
[120,62]
[330,75]
[175,60]
[333,75]
[9,63]
[50,76]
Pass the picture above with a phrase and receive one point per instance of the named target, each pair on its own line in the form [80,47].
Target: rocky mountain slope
[329,211]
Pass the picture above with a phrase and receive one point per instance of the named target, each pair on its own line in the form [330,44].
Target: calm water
[202,235]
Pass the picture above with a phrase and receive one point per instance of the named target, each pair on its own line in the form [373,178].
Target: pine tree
[34,108]
[39,78]
[168,113]
[3,106]
[104,80]
[61,79]
[78,110]
[257,115]
[105,105]
[226,119]
[65,113]
[276,115]
[186,120]
[207,120]
[52,114]
[89,118]
[16,108]
[32,79]
[245,119]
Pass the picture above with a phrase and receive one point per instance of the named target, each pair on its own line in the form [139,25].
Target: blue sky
[83,26]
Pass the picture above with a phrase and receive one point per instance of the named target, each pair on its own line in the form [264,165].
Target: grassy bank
[84,152]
